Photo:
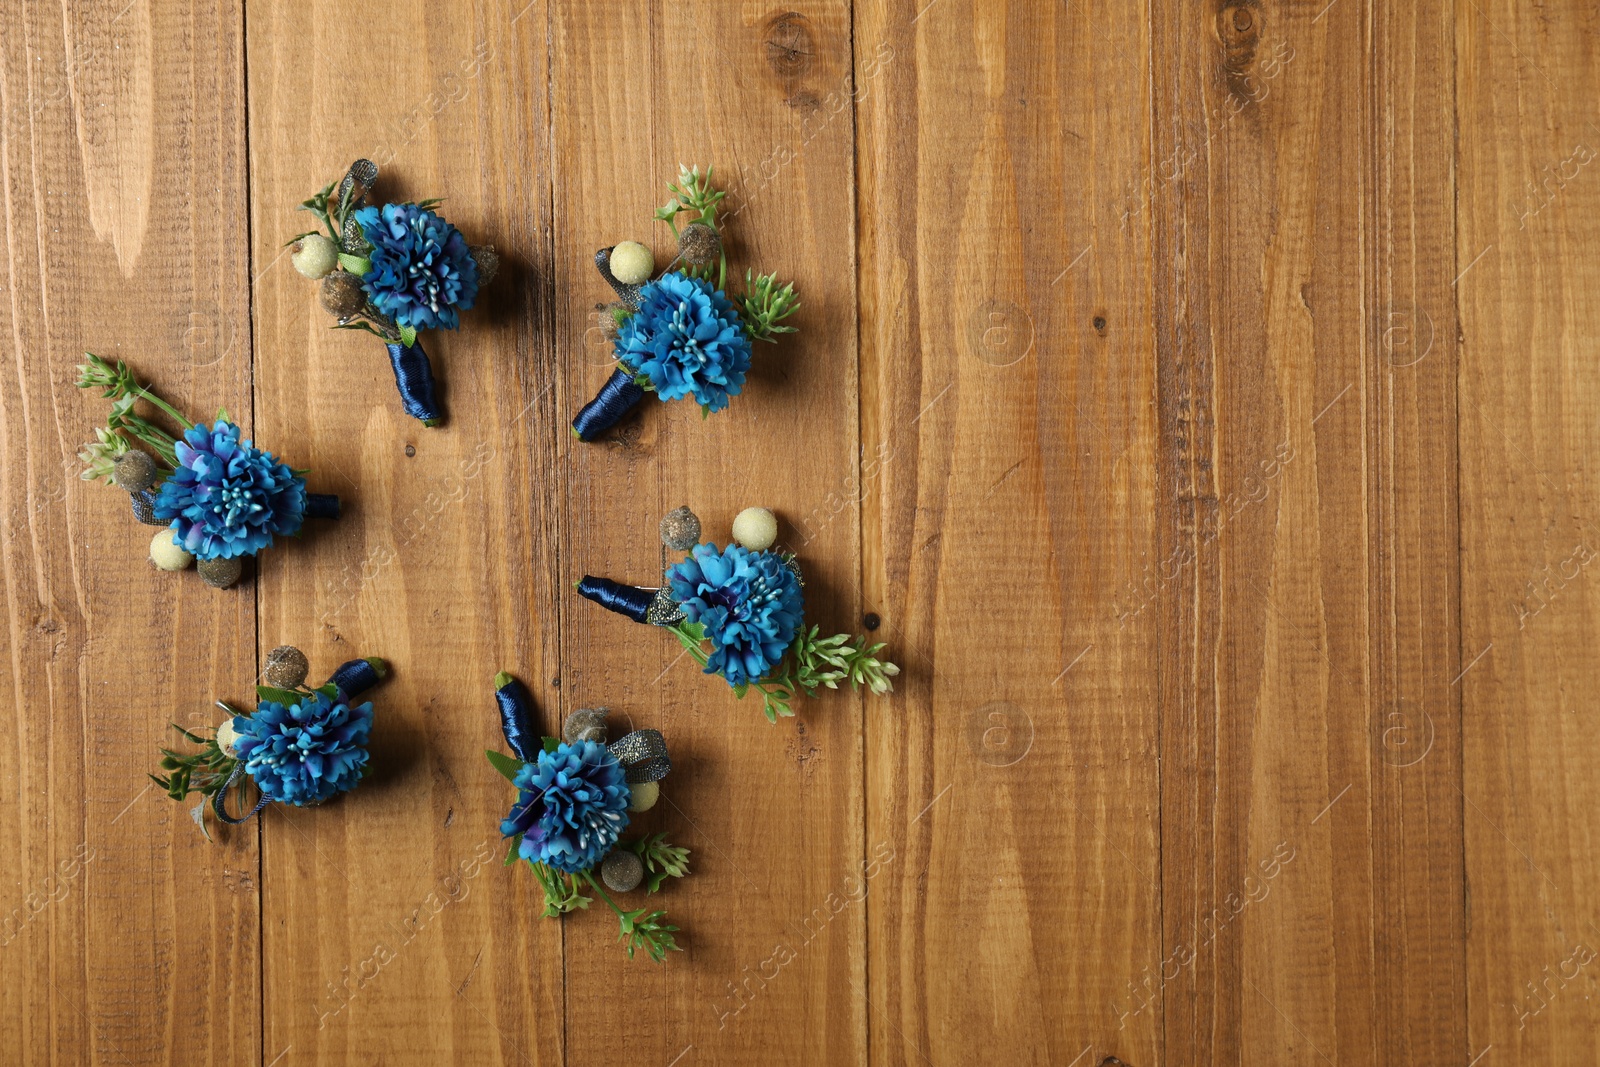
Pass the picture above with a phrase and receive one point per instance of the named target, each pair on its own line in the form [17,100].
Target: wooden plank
[772,814]
[394,932]
[1525,253]
[1314,520]
[124,936]
[1009,505]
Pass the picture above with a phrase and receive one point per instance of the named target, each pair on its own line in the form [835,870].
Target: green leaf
[329,690]
[286,697]
[508,766]
[408,335]
[511,853]
[357,265]
[552,743]
[223,416]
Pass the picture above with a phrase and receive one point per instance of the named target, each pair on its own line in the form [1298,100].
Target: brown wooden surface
[1200,396]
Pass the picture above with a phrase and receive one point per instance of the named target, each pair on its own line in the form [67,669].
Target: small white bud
[315,255]
[632,263]
[755,529]
[167,554]
[226,736]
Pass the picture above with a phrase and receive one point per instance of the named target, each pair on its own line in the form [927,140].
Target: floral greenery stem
[119,383]
[661,860]
[124,391]
[694,192]
[561,892]
[763,305]
[640,929]
[810,663]
[205,772]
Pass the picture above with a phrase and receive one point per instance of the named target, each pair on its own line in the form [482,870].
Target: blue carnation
[571,805]
[686,338]
[422,270]
[307,752]
[228,498]
[749,603]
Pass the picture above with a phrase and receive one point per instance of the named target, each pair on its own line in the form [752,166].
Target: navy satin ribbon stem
[620,395]
[357,676]
[322,506]
[413,376]
[516,720]
[626,600]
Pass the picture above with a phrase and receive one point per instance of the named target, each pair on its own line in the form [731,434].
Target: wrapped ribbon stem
[413,376]
[516,717]
[322,506]
[629,600]
[357,676]
[620,395]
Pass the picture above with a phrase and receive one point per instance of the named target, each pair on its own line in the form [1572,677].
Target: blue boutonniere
[739,611]
[300,746]
[681,334]
[393,270]
[221,497]
[575,794]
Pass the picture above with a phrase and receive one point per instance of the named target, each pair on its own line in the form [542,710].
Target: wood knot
[1239,31]
[789,45]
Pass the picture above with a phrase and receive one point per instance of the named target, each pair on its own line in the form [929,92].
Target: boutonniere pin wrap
[739,611]
[574,797]
[300,746]
[220,498]
[393,271]
[681,333]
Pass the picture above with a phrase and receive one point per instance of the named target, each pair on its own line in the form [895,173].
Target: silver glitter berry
[585,724]
[680,529]
[622,871]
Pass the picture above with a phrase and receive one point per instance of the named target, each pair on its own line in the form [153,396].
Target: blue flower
[571,805]
[748,602]
[686,338]
[422,270]
[306,752]
[228,498]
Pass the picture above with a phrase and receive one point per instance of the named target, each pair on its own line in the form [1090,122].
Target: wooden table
[1200,398]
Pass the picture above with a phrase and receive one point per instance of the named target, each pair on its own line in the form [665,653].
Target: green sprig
[205,772]
[763,306]
[693,192]
[661,860]
[810,663]
[561,891]
[640,929]
[118,384]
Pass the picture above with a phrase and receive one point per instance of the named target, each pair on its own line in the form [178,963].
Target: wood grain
[772,935]
[1196,397]
[1528,532]
[1008,416]
[126,937]
[1309,856]
[395,932]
